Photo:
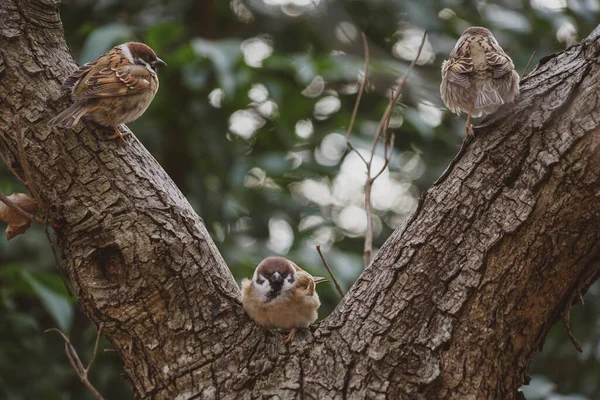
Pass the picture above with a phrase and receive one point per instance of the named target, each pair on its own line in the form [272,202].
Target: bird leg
[118,134]
[290,336]
[468,126]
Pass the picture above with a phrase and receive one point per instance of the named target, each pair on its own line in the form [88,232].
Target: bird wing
[119,81]
[488,97]
[76,76]
[501,64]
[457,70]
[305,280]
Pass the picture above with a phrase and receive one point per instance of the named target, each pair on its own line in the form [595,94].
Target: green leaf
[57,305]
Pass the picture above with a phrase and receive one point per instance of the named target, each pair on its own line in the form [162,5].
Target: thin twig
[566,317]
[362,87]
[567,324]
[527,65]
[25,163]
[337,285]
[75,361]
[19,210]
[368,246]
[6,162]
[25,166]
[98,333]
[388,157]
[385,120]
[383,127]
[351,146]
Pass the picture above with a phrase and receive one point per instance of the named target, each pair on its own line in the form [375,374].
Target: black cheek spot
[291,279]
[260,280]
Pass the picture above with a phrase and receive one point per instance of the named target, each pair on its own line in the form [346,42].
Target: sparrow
[478,76]
[116,88]
[281,296]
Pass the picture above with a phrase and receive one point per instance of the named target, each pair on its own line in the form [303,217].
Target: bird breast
[121,109]
[291,309]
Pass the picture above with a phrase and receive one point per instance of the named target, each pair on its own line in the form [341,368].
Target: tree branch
[381,128]
[75,361]
[452,307]
[337,285]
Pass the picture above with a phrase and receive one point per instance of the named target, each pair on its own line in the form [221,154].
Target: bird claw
[119,135]
[469,131]
[290,336]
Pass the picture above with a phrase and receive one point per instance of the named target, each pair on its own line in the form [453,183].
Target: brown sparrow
[478,76]
[114,89]
[281,296]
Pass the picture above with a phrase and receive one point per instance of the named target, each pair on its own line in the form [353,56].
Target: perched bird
[116,88]
[478,76]
[281,296]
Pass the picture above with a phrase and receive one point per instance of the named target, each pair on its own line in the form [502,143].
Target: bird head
[476,31]
[142,54]
[273,277]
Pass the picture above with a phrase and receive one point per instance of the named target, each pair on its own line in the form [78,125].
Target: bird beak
[158,63]
[276,277]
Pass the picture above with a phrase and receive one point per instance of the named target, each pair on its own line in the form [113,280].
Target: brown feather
[111,90]
[478,74]
[294,308]
[111,82]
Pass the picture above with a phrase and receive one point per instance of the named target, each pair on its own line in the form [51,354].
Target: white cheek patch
[262,288]
[287,285]
[125,50]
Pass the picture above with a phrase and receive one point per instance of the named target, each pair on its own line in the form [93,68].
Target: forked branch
[81,371]
[382,130]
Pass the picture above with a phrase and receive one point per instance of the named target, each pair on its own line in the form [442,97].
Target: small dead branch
[76,363]
[566,317]
[382,129]
[337,285]
[14,173]
[567,324]
[29,184]
[362,87]
[527,65]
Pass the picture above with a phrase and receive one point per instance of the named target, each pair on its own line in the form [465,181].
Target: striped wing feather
[457,70]
[500,63]
[307,281]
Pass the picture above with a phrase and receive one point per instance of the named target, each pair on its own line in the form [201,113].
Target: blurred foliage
[249,122]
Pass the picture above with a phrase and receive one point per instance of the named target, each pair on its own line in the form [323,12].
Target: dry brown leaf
[17,223]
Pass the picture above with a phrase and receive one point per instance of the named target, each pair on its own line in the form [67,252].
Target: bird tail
[488,97]
[70,116]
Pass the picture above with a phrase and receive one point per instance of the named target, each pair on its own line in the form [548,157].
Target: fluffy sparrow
[114,89]
[281,296]
[478,76]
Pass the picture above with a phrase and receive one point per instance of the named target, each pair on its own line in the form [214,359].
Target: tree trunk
[453,306]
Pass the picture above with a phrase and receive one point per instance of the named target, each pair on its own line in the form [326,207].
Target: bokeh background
[250,120]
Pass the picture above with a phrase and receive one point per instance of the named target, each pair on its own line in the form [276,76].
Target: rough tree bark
[453,306]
